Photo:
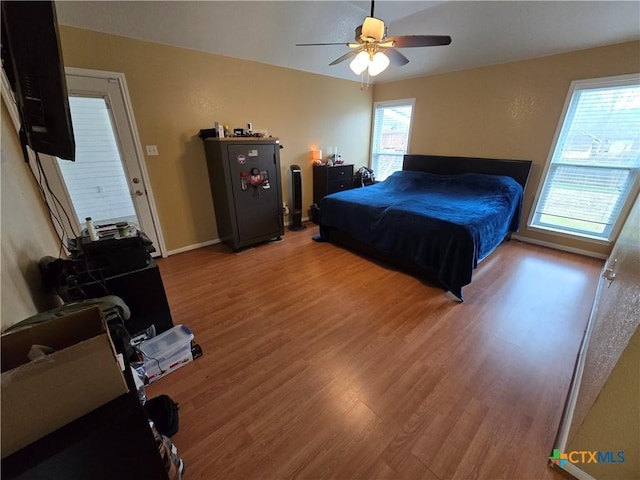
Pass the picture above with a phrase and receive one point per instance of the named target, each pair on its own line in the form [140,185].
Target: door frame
[120,79]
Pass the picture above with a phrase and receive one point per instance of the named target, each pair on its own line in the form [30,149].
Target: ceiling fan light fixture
[379,62]
[360,63]
[372,51]
[373,27]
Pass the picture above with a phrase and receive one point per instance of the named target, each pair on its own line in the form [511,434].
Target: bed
[436,218]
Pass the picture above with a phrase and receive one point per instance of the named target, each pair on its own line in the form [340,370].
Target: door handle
[609,273]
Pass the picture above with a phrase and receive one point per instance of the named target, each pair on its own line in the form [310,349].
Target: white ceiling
[483,33]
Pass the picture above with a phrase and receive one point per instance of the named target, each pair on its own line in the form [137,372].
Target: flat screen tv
[32,61]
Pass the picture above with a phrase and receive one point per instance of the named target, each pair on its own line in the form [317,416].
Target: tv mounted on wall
[32,61]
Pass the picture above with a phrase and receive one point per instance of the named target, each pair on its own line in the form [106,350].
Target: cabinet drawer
[339,185]
[336,173]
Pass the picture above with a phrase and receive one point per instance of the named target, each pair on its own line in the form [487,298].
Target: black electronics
[112,255]
[208,133]
[295,211]
[32,61]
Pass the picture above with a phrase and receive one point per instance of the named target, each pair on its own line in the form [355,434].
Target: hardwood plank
[319,363]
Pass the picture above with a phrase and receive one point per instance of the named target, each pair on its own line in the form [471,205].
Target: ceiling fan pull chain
[363,85]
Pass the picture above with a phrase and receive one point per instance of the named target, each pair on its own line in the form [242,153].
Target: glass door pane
[96,181]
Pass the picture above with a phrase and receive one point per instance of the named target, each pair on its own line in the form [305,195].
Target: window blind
[96,181]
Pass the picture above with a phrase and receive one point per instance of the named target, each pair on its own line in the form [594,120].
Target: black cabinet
[142,290]
[244,174]
[113,266]
[327,180]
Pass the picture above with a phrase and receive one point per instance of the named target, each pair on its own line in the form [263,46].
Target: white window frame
[631,194]
[390,103]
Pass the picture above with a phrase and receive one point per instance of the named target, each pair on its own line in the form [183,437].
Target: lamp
[316,156]
[376,62]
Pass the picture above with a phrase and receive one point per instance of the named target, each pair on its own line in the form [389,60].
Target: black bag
[163,411]
[363,177]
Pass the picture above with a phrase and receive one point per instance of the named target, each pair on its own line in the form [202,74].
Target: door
[614,319]
[615,315]
[254,178]
[107,182]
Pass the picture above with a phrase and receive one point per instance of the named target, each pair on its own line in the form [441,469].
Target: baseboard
[205,244]
[559,247]
[574,472]
[193,247]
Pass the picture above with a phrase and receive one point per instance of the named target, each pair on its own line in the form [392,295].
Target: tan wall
[175,92]
[26,234]
[506,111]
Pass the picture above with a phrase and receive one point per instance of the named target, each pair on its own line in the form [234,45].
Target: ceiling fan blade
[406,41]
[346,56]
[395,57]
[320,44]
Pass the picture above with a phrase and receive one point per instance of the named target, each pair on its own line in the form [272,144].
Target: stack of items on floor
[167,352]
[160,356]
[75,357]
[163,419]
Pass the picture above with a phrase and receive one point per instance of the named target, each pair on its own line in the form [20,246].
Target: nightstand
[327,180]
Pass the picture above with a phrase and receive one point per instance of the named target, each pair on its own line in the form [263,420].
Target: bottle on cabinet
[91,229]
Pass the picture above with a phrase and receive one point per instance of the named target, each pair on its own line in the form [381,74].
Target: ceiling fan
[374,51]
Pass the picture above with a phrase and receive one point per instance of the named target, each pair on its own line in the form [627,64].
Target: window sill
[573,236]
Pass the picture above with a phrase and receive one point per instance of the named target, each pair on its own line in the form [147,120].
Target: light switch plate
[152,150]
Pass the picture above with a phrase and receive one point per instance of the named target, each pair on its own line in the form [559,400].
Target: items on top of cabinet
[223,131]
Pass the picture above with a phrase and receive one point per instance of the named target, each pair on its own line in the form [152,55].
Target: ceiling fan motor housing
[372,28]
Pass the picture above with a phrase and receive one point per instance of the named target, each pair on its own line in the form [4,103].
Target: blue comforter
[443,223]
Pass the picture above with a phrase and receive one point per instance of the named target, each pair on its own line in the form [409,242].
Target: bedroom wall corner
[507,111]
[175,92]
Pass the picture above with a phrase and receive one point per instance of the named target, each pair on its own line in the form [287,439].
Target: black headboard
[516,169]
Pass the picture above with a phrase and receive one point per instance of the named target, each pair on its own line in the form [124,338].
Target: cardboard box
[40,396]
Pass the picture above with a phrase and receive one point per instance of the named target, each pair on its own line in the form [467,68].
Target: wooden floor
[319,363]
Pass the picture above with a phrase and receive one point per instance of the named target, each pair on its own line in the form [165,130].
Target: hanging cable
[52,215]
[57,200]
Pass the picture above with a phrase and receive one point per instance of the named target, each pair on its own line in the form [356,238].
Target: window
[593,169]
[391,128]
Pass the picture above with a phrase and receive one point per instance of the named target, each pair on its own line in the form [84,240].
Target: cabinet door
[255,182]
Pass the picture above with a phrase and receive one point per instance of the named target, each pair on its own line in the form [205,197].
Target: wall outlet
[152,150]
[285,208]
